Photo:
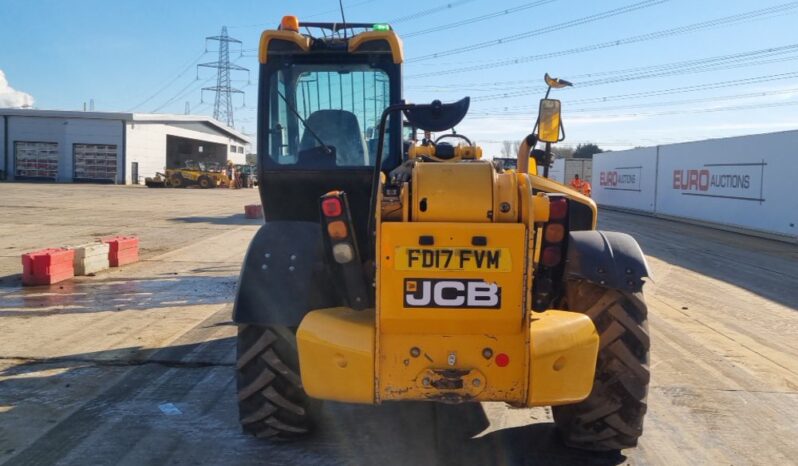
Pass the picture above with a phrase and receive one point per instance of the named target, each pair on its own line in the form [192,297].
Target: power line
[172,81]
[741,57]
[182,92]
[748,95]
[537,32]
[713,23]
[428,11]
[637,76]
[314,15]
[476,19]
[660,92]
[671,112]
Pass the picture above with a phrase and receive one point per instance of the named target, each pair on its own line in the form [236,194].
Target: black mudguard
[606,258]
[284,276]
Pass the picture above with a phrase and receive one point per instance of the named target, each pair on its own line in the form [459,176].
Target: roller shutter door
[36,160]
[95,162]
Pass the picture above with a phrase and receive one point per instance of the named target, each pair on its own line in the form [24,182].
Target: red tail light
[331,207]
[558,208]
[551,257]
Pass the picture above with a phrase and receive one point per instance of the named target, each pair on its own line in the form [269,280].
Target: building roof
[165,118]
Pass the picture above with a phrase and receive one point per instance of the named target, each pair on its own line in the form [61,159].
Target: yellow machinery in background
[202,174]
[386,273]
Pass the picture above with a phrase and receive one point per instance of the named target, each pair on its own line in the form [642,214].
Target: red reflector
[558,208]
[555,232]
[331,207]
[502,360]
[551,256]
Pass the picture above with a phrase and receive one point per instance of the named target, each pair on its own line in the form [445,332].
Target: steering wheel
[453,135]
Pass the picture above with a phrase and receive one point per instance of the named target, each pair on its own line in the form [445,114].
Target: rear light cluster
[554,232]
[336,224]
[338,227]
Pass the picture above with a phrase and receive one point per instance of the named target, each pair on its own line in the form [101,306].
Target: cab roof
[351,38]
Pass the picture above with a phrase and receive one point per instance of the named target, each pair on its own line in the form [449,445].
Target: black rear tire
[271,400]
[204,182]
[611,418]
[177,181]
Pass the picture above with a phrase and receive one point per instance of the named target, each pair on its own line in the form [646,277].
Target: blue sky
[638,92]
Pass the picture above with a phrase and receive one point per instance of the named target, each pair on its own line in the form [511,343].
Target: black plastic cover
[606,258]
[284,275]
[437,116]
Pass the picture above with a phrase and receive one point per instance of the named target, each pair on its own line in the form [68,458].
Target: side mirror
[549,118]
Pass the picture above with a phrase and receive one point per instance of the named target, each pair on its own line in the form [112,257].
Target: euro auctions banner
[741,181]
[747,181]
[626,179]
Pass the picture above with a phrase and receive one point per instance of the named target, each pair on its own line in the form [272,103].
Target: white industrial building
[122,148]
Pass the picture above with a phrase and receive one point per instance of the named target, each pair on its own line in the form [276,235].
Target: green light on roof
[382,27]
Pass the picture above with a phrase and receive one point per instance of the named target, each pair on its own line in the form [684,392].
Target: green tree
[586,151]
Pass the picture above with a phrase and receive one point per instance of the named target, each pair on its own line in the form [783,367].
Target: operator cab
[322,90]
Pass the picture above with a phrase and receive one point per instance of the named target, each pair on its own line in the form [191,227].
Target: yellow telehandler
[386,273]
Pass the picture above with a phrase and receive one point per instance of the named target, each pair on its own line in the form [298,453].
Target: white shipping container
[746,182]
[581,167]
[626,179]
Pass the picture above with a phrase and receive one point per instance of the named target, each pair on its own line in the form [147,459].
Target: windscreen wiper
[327,148]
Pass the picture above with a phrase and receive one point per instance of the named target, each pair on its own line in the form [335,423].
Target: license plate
[454,259]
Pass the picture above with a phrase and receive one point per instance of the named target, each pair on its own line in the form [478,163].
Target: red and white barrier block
[47,266]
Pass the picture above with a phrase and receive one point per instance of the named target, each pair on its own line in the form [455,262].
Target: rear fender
[284,275]
[606,258]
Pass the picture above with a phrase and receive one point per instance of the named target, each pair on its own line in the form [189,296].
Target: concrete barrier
[122,250]
[47,266]
[253,211]
[91,258]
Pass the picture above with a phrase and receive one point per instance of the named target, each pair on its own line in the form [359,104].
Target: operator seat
[340,129]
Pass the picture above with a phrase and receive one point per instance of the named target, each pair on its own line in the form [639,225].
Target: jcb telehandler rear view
[388,272]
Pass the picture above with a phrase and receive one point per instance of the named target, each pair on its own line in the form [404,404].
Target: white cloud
[12,98]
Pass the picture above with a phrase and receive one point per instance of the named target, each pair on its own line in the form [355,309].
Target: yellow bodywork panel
[336,354]
[452,286]
[452,192]
[452,367]
[563,349]
[301,41]
[360,42]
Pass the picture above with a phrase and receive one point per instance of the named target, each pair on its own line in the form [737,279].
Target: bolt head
[267,255]
[264,267]
[425,381]
[487,353]
[415,352]
[476,382]
[291,268]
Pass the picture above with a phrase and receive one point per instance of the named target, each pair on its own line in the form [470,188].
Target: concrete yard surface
[135,366]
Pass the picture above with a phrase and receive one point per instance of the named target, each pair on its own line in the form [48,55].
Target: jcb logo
[475,294]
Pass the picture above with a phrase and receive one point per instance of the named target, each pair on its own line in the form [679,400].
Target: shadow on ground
[765,267]
[235,219]
[125,422]
[117,294]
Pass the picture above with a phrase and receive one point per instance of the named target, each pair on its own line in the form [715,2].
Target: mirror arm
[375,179]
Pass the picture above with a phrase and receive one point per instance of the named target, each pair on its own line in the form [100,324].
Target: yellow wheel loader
[388,274]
